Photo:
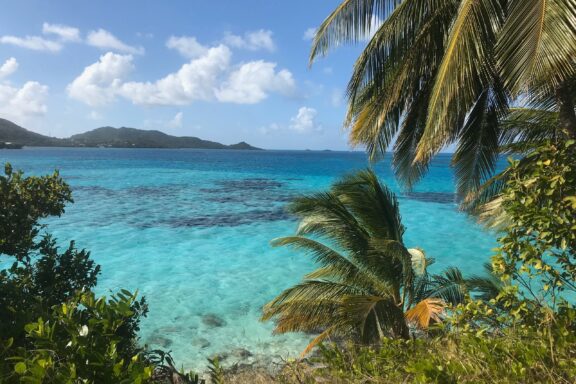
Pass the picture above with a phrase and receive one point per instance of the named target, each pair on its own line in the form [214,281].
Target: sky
[224,70]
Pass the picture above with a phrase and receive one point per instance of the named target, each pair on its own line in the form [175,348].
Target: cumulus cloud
[309,34]
[64,32]
[252,82]
[9,67]
[20,104]
[105,40]
[35,43]
[305,121]
[209,76]
[253,41]
[187,46]
[194,81]
[99,83]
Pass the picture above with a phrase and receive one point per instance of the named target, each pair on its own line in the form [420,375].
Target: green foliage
[79,341]
[369,283]
[52,327]
[23,202]
[216,371]
[435,72]
[30,289]
[538,249]
[526,356]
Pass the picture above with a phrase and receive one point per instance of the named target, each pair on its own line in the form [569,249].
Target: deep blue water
[190,229]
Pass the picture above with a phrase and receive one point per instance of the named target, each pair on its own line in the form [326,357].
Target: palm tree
[369,284]
[436,72]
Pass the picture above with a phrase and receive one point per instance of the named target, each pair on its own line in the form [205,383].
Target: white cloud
[208,76]
[195,80]
[252,82]
[305,121]
[64,32]
[253,41]
[99,83]
[309,34]
[105,40]
[187,46]
[176,121]
[21,104]
[32,42]
[9,67]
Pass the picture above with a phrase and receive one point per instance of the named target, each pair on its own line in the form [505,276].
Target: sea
[190,230]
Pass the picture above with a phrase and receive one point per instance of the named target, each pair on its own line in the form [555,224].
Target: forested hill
[111,137]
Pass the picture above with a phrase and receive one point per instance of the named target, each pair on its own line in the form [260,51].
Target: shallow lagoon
[190,229]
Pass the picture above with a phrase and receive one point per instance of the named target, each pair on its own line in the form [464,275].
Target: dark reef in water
[432,197]
[230,219]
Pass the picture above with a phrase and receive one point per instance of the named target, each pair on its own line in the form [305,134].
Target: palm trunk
[567,115]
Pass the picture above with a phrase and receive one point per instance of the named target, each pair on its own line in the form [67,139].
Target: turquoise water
[190,229]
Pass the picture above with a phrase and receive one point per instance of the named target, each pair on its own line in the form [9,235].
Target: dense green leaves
[52,327]
[24,201]
[538,249]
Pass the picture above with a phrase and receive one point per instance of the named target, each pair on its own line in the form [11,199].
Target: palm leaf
[477,152]
[465,72]
[537,45]
[350,22]
[426,311]
[488,286]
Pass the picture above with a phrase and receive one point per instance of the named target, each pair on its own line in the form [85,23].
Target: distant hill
[111,137]
[10,132]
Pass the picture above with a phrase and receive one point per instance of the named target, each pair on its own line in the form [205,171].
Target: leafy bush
[538,248]
[53,329]
[516,356]
[79,341]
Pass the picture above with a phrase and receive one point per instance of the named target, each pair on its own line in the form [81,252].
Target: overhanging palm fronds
[437,72]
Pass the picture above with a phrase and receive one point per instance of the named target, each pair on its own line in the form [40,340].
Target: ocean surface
[191,231]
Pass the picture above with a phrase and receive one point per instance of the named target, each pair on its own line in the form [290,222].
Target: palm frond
[487,286]
[478,142]
[467,69]
[373,205]
[524,128]
[325,216]
[537,44]
[407,171]
[322,254]
[391,70]
[450,286]
[350,22]
[427,311]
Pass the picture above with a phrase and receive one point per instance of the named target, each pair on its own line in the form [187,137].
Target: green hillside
[10,132]
[110,137]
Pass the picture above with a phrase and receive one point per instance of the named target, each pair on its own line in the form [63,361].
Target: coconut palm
[369,284]
[436,72]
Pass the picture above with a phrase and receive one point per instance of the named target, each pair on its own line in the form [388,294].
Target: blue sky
[220,70]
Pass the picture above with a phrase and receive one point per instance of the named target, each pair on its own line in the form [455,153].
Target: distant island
[109,137]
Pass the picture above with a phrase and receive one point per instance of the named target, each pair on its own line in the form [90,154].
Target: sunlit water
[190,229]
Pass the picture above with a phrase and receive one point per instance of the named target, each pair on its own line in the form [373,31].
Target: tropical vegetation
[53,328]
[515,323]
[369,284]
[439,72]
